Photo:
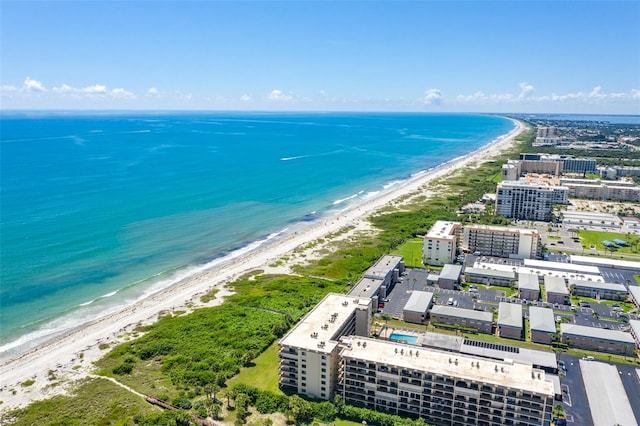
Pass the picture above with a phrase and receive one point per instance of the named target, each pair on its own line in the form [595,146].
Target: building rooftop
[527,281]
[541,319]
[366,287]
[635,328]
[490,272]
[419,301]
[451,272]
[443,229]
[555,285]
[382,267]
[607,397]
[502,229]
[536,271]
[597,333]
[597,285]
[509,373]
[320,328]
[605,262]
[561,266]
[634,290]
[510,314]
[442,341]
[453,311]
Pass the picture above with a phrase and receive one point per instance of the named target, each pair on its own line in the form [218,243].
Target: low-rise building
[634,292]
[606,262]
[542,327]
[598,290]
[468,318]
[415,310]
[510,320]
[379,279]
[441,242]
[309,353]
[489,276]
[450,276]
[555,289]
[528,286]
[443,387]
[634,326]
[597,339]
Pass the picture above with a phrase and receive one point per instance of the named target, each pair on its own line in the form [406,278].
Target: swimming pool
[406,337]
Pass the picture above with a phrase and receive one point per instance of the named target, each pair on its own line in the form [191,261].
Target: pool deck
[387,332]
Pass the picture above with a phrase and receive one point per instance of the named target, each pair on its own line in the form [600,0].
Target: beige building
[416,308]
[542,327]
[528,286]
[595,189]
[440,244]
[450,315]
[309,353]
[510,320]
[450,276]
[597,339]
[525,200]
[443,387]
[555,289]
[502,241]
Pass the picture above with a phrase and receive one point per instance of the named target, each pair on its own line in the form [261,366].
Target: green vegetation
[27,383]
[411,250]
[262,373]
[589,238]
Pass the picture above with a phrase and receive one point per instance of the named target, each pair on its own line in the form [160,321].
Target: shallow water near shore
[101,210]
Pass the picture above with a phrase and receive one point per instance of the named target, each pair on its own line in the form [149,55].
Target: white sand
[70,357]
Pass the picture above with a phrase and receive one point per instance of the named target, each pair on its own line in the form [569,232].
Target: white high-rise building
[440,243]
[528,200]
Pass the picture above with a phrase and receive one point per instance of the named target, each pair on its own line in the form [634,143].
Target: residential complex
[502,241]
[597,339]
[468,318]
[416,308]
[443,387]
[380,278]
[555,288]
[598,290]
[570,164]
[542,326]
[527,200]
[528,286]
[440,243]
[595,189]
[510,320]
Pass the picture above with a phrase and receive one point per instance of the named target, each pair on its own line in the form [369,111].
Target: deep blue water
[99,210]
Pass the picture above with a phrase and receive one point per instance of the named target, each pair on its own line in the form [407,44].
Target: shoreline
[70,355]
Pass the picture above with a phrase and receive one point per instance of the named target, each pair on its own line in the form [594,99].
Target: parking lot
[574,396]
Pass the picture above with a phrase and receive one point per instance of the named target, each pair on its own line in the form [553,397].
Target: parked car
[450,301]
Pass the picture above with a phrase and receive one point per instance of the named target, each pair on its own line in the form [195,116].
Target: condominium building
[570,164]
[528,286]
[595,189]
[598,290]
[510,320]
[597,339]
[440,243]
[309,353]
[443,387]
[527,200]
[502,241]
[450,277]
[469,318]
[379,279]
[555,288]
[489,276]
[542,326]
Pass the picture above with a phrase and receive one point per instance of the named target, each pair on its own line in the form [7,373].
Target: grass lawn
[412,253]
[263,374]
[595,238]
[637,278]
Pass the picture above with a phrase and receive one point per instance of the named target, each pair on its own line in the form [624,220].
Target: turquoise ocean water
[100,210]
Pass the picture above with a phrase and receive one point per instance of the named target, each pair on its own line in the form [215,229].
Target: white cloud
[153,92]
[278,95]
[432,97]
[120,93]
[246,98]
[65,88]
[525,90]
[98,89]
[31,85]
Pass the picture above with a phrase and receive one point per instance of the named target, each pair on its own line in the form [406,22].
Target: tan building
[510,320]
[489,276]
[416,308]
[450,315]
[309,353]
[598,290]
[597,339]
[440,244]
[443,387]
[502,241]
[528,286]
[542,327]
[450,276]
[556,290]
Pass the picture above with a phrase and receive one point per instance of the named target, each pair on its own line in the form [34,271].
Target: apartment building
[527,200]
[440,244]
[555,289]
[380,278]
[542,327]
[416,308]
[570,164]
[489,276]
[443,387]
[309,353]
[528,286]
[510,320]
[597,339]
[502,241]
[598,290]
[595,189]
[450,276]
[451,315]
[634,326]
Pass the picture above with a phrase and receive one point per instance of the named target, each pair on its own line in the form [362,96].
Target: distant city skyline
[579,57]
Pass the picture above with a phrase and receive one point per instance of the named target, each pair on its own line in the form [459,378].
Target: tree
[301,410]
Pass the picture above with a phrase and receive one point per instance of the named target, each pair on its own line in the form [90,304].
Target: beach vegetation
[27,383]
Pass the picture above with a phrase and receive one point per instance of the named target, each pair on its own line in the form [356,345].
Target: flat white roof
[537,271]
[560,266]
[443,229]
[527,281]
[587,216]
[510,314]
[635,292]
[323,323]
[605,262]
[597,285]
[451,272]
[383,266]
[541,319]
[419,301]
[511,374]
[366,287]
[597,333]
[608,400]
[505,229]
[452,311]
[555,285]
[635,327]
[490,272]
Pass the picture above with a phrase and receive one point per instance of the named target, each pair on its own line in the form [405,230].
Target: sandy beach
[70,357]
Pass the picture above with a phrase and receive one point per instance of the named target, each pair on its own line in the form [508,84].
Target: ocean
[99,210]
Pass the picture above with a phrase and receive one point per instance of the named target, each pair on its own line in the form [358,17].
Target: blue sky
[435,56]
